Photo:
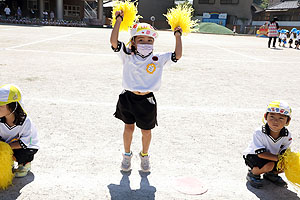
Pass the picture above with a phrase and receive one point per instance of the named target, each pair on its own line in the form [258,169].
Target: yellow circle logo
[151,68]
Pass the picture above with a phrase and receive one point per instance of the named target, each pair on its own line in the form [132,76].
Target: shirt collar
[283,132]
[21,122]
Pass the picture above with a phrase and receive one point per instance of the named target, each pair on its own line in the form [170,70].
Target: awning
[283,10]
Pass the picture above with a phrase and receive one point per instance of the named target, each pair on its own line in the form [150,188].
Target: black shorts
[279,40]
[139,109]
[291,41]
[252,160]
[24,156]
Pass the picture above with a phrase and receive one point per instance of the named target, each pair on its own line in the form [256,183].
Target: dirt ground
[209,104]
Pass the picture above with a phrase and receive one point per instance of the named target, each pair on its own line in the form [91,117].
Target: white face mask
[144,49]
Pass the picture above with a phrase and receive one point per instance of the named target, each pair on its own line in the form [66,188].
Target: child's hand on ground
[178,31]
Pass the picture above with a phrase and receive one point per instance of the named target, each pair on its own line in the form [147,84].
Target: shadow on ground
[124,192]
[271,191]
[14,191]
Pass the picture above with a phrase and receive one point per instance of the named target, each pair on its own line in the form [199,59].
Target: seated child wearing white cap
[17,129]
[269,141]
[142,72]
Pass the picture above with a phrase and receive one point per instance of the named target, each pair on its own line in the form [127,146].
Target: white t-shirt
[7,11]
[298,37]
[264,142]
[284,37]
[142,74]
[25,131]
[292,36]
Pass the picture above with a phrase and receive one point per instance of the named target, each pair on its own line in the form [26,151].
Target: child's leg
[269,42]
[146,139]
[266,168]
[24,156]
[127,137]
[274,41]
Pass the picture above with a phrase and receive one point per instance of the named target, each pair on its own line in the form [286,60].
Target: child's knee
[129,127]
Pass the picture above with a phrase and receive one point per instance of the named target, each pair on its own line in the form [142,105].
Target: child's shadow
[13,191]
[124,192]
[271,191]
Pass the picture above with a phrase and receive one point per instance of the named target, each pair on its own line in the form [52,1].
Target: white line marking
[211,110]
[62,52]
[241,54]
[40,41]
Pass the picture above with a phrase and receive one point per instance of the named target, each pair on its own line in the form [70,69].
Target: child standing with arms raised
[17,129]
[142,72]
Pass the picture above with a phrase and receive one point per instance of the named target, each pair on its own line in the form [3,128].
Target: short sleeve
[259,147]
[28,135]
[122,51]
[166,58]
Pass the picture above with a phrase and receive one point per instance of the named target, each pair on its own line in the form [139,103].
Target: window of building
[71,11]
[47,5]
[206,1]
[32,4]
[229,1]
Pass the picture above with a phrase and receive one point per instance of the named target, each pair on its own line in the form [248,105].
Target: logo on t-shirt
[151,68]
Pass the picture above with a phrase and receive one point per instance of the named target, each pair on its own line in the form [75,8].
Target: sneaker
[254,180]
[275,178]
[126,163]
[145,163]
[22,170]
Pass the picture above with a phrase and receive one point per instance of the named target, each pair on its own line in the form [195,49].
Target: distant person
[292,37]
[273,32]
[269,141]
[19,13]
[142,73]
[52,16]
[7,12]
[297,40]
[45,14]
[17,129]
[32,13]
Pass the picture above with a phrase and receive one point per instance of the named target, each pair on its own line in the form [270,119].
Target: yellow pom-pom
[290,163]
[130,14]
[181,16]
[6,163]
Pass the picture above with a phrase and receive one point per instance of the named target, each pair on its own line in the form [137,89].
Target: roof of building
[284,5]
[257,7]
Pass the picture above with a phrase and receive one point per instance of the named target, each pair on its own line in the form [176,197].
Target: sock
[128,154]
[144,154]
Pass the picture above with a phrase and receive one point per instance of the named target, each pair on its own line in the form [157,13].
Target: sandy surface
[209,104]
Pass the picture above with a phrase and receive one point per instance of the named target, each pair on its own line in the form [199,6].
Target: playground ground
[209,104]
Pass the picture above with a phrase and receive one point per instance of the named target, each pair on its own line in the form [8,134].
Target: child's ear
[265,116]
[288,121]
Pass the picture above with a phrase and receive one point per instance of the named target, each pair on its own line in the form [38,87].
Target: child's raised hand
[119,14]
[178,31]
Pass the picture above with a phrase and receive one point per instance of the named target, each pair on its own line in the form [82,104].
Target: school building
[287,12]
[63,9]
[228,13]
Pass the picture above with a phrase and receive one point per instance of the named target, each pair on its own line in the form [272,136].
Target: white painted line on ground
[189,58]
[241,54]
[61,52]
[223,110]
[45,40]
